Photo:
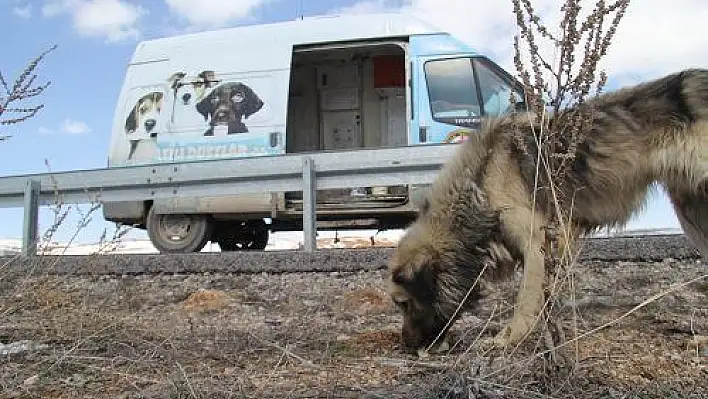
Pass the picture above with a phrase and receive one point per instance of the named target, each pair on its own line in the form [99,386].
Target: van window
[451,89]
[495,90]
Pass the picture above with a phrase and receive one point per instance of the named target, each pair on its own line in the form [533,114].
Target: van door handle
[423,134]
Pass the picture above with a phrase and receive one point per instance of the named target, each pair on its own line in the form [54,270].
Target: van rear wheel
[178,233]
[242,236]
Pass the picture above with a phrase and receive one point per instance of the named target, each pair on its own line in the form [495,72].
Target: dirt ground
[335,335]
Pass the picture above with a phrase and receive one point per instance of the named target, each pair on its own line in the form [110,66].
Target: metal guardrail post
[31,220]
[309,196]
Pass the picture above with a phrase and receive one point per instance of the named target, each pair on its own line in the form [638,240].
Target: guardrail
[306,172]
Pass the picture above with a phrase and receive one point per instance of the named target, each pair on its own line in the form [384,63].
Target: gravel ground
[652,248]
[89,330]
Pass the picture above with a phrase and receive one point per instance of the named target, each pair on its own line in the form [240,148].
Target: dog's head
[436,267]
[145,114]
[229,102]
[191,89]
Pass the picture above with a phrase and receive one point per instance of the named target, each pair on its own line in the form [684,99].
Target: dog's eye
[238,97]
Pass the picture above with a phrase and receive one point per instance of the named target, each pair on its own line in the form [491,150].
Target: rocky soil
[334,334]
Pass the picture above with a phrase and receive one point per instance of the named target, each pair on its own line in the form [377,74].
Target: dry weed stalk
[20,90]
[556,89]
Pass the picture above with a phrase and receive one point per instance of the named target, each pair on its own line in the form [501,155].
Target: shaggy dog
[479,215]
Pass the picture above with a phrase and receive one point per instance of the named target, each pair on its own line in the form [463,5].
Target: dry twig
[21,89]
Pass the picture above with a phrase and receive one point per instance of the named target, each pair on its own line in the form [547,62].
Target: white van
[310,85]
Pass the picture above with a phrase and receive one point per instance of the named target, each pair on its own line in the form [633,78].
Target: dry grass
[331,335]
[558,76]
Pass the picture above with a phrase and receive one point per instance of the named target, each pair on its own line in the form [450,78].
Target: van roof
[310,30]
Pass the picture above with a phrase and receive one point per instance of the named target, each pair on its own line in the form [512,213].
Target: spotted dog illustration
[143,118]
[191,90]
[227,105]
[186,91]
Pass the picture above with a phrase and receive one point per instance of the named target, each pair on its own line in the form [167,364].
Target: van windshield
[456,98]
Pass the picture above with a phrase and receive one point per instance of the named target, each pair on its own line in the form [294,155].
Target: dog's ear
[253,103]
[158,95]
[205,107]
[175,79]
[131,123]
[419,276]
[209,78]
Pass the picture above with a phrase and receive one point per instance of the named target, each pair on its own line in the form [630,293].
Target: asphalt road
[637,249]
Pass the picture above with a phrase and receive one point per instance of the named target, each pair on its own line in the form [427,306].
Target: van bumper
[126,212]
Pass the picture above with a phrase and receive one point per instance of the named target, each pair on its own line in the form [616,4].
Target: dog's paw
[440,348]
[513,333]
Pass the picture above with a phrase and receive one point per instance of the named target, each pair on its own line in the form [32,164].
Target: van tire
[194,232]
[242,236]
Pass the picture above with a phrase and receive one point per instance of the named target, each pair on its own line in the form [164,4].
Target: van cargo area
[347,98]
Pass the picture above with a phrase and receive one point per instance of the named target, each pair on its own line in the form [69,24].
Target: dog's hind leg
[692,213]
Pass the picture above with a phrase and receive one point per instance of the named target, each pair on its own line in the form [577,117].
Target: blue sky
[96,38]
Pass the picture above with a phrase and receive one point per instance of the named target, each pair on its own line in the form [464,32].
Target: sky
[96,38]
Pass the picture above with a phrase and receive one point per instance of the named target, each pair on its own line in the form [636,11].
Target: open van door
[219,105]
[452,93]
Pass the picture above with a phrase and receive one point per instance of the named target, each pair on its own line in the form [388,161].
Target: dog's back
[668,117]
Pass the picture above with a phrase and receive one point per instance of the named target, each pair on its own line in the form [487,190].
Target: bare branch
[22,89]
[579,47]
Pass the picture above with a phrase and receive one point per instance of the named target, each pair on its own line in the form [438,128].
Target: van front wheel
[178,233]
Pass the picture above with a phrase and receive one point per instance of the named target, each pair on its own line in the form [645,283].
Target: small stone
[30,381]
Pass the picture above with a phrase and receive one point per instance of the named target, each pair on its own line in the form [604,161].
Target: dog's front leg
[524,229]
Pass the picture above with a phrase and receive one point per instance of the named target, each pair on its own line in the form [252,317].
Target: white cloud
[23,12]
[115,20]
[651,40]
[213,13]
[68,126]
[74,127]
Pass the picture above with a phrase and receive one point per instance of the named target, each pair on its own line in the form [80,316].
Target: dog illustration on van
[186,91]
[227,105]
[142,124]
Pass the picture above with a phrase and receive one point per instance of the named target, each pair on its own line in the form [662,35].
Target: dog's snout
[150,124]
[186,97]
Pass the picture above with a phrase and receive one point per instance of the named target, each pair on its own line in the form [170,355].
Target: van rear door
[227,100]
